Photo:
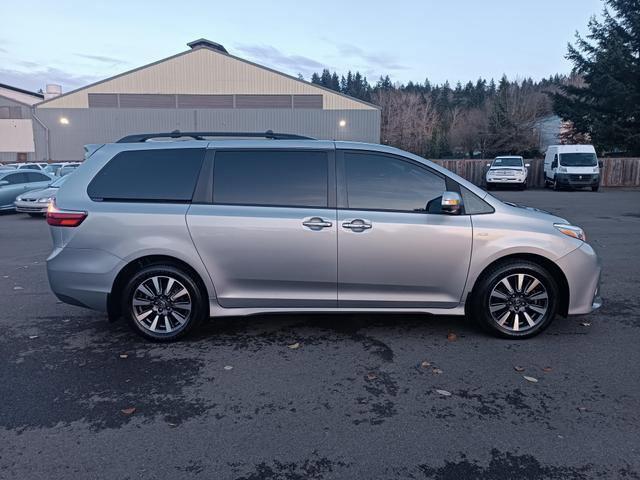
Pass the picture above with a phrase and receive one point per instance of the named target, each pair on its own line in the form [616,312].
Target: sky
[74,43]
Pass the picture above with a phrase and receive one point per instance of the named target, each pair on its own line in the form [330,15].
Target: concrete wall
[101,125]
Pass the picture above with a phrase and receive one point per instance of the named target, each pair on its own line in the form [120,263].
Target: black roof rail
[270,134]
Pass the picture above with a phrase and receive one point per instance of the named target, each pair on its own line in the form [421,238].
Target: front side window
[271,178]
[382,182]
[578,159]
[16,178]
[157,175]
[37,177]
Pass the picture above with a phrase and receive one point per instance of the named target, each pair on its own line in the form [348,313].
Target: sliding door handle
[316,223]
[357,224]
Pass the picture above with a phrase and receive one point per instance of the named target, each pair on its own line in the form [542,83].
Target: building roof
[20,90]
[209,46]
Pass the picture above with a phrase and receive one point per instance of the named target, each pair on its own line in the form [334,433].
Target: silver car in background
[16,182]
[36,202]
[166,234]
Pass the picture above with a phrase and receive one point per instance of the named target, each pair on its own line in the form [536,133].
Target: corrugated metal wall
[101,125]
[17,111]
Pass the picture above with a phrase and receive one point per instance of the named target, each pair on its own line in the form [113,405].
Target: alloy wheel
[161,304]
[518,302]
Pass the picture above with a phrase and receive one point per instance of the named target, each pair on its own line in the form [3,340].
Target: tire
[595,189]
[168,304]
[556,185]
[523,186]
[36,215]
[527,311]
[489,187]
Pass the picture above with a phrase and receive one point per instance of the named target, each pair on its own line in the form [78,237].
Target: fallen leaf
[128,411]
[437,371]
[31,337]
[294,346]
[585,324]
[518,368]
[452,337]
[371,376]
[66,320]
[124,355]
[425,364]
[172,424]
[18,288]
[546,369]
[5,276]
[530,379]
[444,393]
[228,367]
[582,409]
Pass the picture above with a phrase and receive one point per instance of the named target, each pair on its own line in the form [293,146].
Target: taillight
[64,218]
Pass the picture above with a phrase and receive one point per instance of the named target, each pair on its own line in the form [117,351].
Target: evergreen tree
[607,106]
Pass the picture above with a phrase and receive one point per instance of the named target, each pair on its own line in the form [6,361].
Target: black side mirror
[600,163]
[554,164]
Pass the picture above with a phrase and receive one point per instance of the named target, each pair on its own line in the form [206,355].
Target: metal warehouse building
[18,135]
[204,88]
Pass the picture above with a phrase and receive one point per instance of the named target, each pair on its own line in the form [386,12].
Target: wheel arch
[554,270]
[113,304]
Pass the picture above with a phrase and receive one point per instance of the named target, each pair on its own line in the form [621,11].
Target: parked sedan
[36,202]
[14,183]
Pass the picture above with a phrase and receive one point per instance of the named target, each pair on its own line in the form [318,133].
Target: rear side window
[167,175]
[382,182]
[271,178]
[37,177]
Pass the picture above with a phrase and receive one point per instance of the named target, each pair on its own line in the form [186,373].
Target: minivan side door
[395,247]
[268,237]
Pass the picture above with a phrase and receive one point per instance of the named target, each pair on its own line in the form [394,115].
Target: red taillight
[64,218]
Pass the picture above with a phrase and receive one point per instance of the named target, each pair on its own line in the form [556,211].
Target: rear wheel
[595,189]
[556,185]
[515,299]
[163,303]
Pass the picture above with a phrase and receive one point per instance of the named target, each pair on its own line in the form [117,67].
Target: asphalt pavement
[324,397]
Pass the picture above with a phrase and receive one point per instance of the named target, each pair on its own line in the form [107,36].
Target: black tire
[198,308]
[36,215]
[489,187]
[595,189]
[483,299]
[523,186]
[556,185]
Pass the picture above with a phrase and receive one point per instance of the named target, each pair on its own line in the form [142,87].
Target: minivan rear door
[395,248]
[268,235]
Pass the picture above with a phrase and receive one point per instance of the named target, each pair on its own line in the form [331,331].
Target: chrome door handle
[357,224]
[317,223]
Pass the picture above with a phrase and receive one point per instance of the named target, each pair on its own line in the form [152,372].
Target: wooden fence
[616,172]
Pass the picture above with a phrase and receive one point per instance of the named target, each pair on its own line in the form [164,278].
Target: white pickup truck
[507,170]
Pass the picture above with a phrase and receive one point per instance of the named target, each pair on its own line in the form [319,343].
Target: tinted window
[30,167]
[37,177]
[294,178]
[473,204]
[149,175]
[16,178]
[381,182]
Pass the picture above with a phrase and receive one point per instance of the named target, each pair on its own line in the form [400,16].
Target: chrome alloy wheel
[161,304]
[518,302]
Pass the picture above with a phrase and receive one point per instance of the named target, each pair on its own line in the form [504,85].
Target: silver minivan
[168,233]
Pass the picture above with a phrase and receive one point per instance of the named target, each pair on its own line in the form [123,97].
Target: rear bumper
[578,180]
[82,277]
[582,270]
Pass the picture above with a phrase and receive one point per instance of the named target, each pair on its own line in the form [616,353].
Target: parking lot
[319,397]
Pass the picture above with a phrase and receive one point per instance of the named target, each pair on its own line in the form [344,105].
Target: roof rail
[143,137]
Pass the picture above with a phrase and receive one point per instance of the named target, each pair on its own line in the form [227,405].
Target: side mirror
[488,164]
[3,183]
[554,164]
[451,203]
[600,163]
[527,165]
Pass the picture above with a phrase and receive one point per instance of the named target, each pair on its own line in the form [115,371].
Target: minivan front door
[269,238]
[395,250]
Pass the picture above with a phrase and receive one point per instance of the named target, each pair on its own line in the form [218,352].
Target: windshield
[507,162]
[58,183]
[578,159]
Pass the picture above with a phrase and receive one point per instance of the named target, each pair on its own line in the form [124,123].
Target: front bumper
[31,207]
[582,270]
[578,179]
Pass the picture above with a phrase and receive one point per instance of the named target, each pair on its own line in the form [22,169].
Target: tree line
[599,101]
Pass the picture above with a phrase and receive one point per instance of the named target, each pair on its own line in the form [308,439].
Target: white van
[572,166]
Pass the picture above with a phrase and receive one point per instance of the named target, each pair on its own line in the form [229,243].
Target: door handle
[357,224]
[317,223]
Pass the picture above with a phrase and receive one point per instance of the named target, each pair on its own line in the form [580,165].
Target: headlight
[18,199]
[571,231]
[45,200]
[562,169]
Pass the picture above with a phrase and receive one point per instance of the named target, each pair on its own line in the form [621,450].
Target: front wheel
[595,189]
[515,299]
[163,303]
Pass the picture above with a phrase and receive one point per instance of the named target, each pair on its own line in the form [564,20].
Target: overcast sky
[77,42]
